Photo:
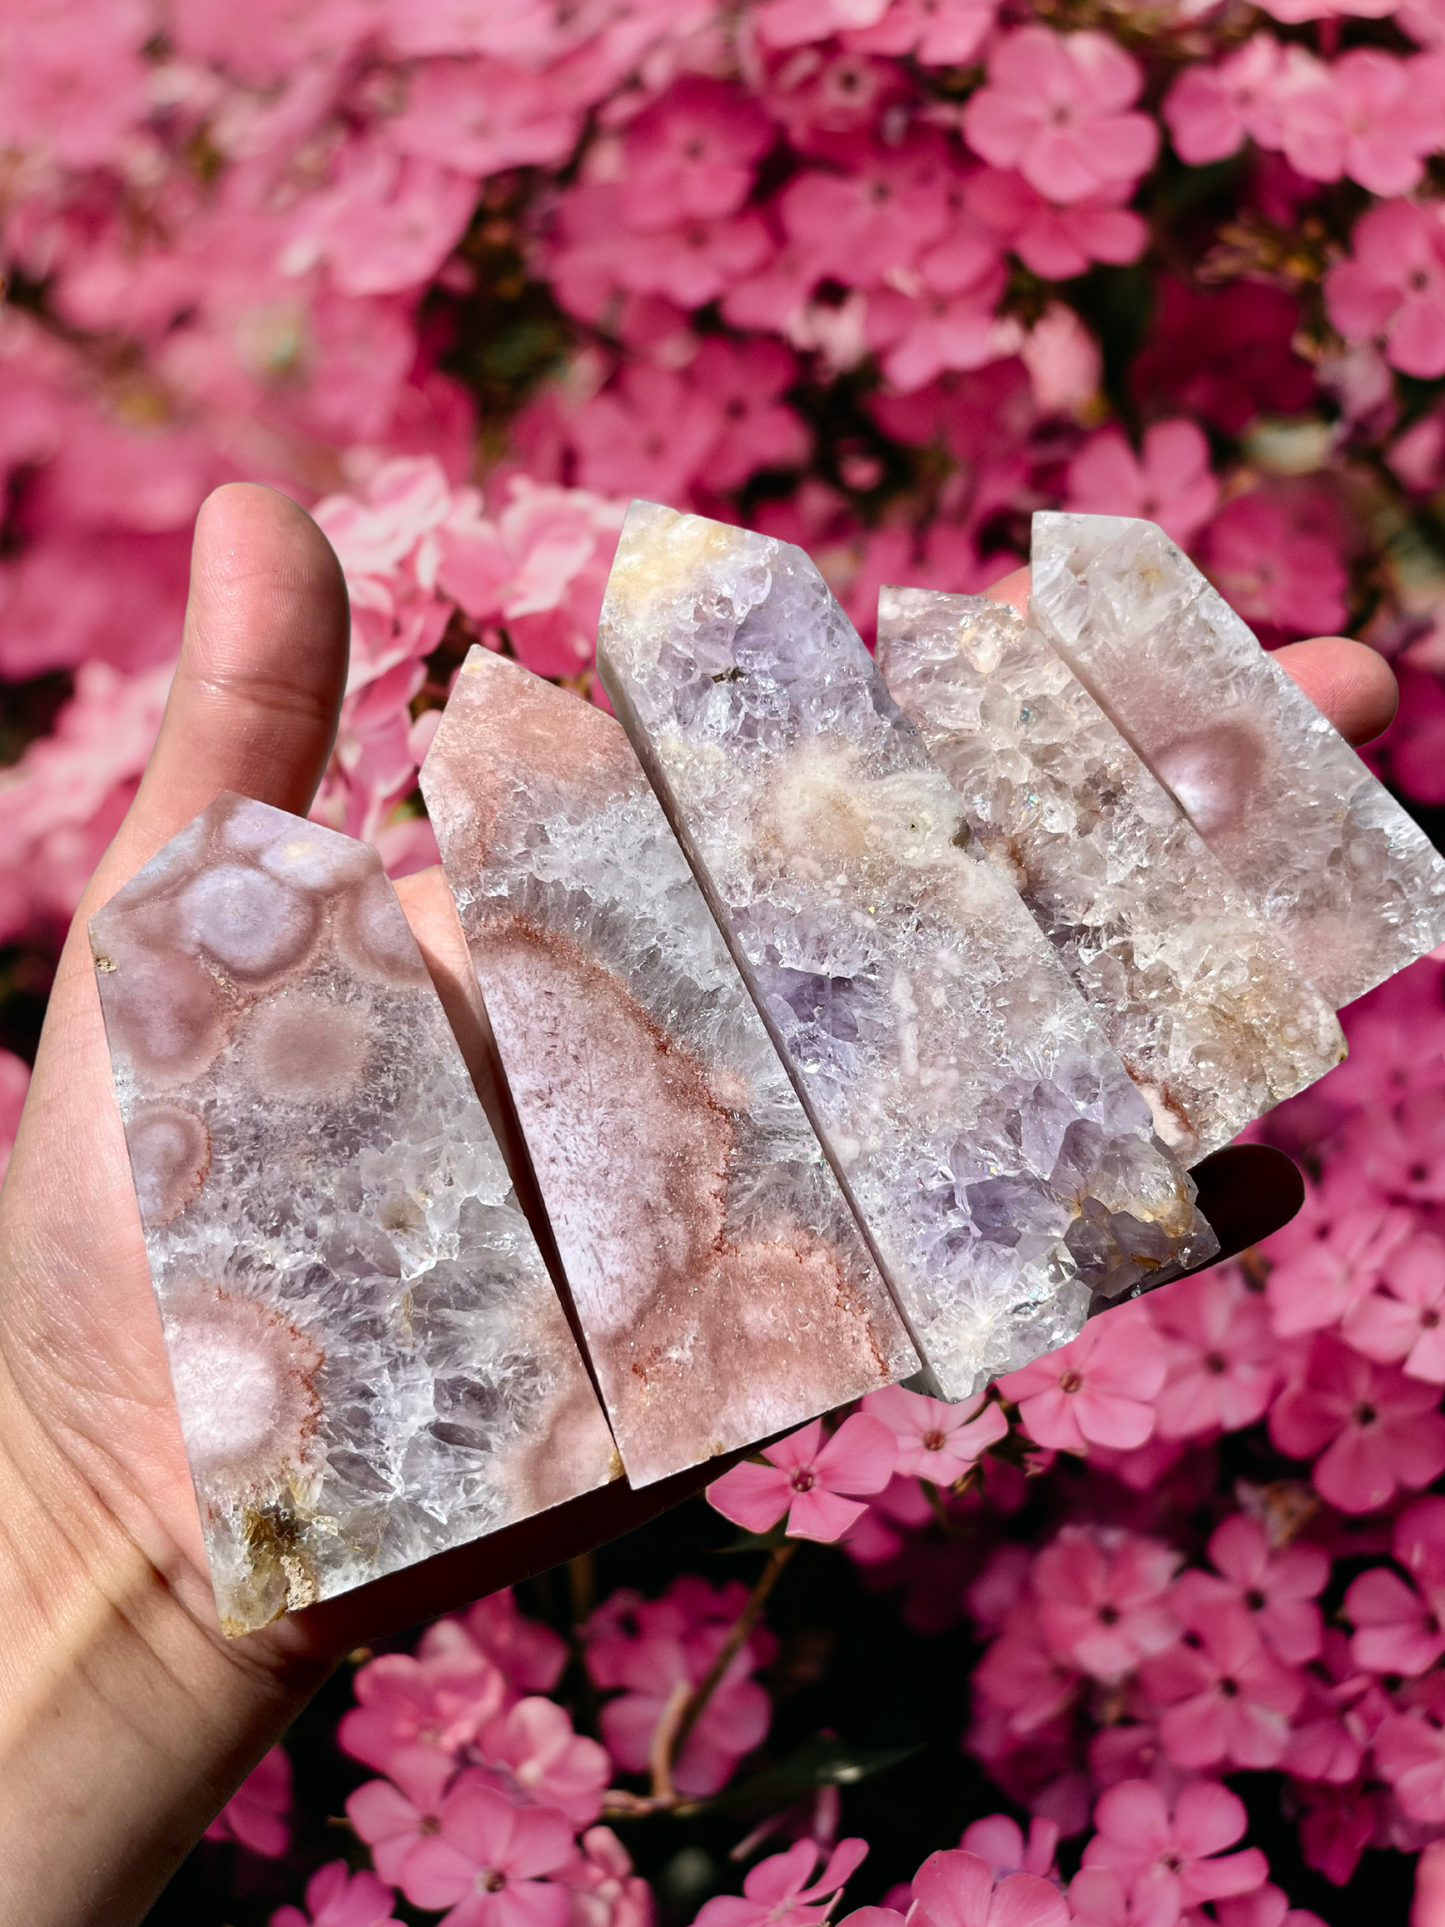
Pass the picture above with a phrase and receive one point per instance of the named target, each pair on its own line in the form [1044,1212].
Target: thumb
[258,688]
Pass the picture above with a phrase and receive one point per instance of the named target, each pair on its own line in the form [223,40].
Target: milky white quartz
[721,1285]
[1320,847]
[368,1356]
[1198,993]
[1002,1162]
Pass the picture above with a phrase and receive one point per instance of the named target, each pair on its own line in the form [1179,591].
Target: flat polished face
[1003,1163]
[368,1355]
[1199,993]
[1352,885]
[719,1280]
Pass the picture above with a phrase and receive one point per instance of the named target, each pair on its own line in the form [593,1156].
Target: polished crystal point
[1314,841]
[1199,994]
[369,1358]
[1003,1163]
[719,1280]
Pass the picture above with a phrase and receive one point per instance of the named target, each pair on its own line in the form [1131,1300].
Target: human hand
[127,1719]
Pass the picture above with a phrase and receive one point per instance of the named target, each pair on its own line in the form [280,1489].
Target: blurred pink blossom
[1169,482]
[1056,108]
[1139,1832]
[787,1890]
[958,1889]
[487,1860]
[1102,1596]
[337,1898]
[1392,286]
[256,1815]
[1373,1429]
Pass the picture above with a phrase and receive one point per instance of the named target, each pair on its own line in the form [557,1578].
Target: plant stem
[738,1633]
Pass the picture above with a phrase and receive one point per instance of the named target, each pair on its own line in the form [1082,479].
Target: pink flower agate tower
[368,1355]
[722,1288]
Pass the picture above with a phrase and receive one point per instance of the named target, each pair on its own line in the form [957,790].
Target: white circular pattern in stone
[300,1046]
[251,924]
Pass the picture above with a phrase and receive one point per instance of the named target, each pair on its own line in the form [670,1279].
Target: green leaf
[820,1762]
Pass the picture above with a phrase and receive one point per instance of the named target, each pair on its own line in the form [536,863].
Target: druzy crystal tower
[1003,1163]
[368,1355]
[721,1285]
[1310,837]
[1199,994]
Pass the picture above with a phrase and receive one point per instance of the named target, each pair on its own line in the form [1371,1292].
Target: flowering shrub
[880,277]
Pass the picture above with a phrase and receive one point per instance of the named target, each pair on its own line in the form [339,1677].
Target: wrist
[125,1719]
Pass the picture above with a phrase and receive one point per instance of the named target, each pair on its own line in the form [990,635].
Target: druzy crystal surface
[1198,992]
[369,1358]
[719,1280]
[1003,1163]
[1322,849]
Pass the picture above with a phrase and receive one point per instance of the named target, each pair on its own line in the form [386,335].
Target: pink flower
[1397,1628]
[1022,1675]
[1227,1700]
[1399,1322]
[1335,1831]
[605,1891]
[1056,242]
[419,1707]
[1102,1897]
[1277,1587]
[336,1898]
[650,435]
[1101,1598]
[1138,1834]
[255,1816]
[1224,355]
[1274,571]
[958,1889]
[1392,289]
[1369,116]
[1211,110]
[1223,1358]
[816,1485]
[690,155]
[938,33]
[1316,1284]
[1054,108]
[1096,1389]
[1267,1906]
[1373,1429]
[1400,1152]
[1171,483]
[395,1816]
[1410,1754]
[650,1648]
[487,1860]
[550,1763]
[781,1891]
[791,23]
[937,1442]
[1000,1841]
[922,335]
[743,382]
[875,218]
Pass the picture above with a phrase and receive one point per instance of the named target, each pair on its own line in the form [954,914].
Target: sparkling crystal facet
[1323,850]
[1003,1163]
[368,1355]
[1199,994]
[720,1282]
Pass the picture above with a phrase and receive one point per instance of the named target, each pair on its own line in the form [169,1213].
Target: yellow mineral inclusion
[644,577]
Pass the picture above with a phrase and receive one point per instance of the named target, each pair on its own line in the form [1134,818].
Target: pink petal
[859,1457]
[822,1515]
[437,1874]
[1024,1900]
[1104,1419]
[541,1842]
[954,1889]
[799,1449]
[754,1497]
[1208,1818]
